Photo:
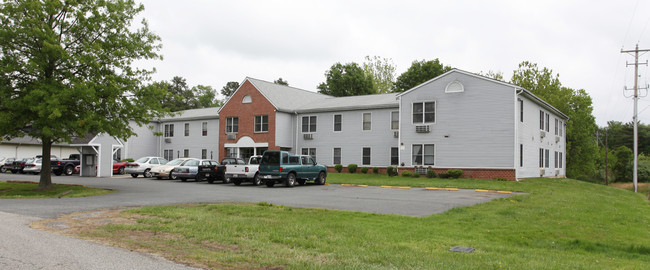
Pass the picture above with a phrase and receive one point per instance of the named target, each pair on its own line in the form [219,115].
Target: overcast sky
[213,42]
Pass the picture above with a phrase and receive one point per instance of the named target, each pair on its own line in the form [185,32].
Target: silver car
[143,166]
[165,171]
[34,166]
[190,169]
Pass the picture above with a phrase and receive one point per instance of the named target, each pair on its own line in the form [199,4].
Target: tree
[180,96]
[281,82]
[206,96]
[346,80]
[621,168]
[492,74]
[229,89]
[582,149]
[65,70]
[419,72]
[382,72]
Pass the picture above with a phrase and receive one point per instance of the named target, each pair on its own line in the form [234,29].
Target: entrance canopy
[245,148]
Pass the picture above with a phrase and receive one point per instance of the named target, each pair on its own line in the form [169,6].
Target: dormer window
[454,87]
[247,99]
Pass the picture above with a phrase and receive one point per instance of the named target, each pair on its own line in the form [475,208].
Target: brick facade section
[246,113]
[467,173]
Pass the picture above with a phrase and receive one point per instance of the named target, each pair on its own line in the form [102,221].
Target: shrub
[500,179]
[443,175]
[415,175]
[391,171]
[455,173]
[431,173]
[129,160]
[364,170]
[375,170]
[352,168]
[338,167]
[406,174]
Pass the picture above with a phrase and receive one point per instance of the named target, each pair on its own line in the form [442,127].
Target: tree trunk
[46,169]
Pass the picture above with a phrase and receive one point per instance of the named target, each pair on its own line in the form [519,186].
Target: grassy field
[26,190]
[560,224]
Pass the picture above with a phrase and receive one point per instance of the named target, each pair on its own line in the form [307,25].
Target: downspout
[296,133]
[517,93]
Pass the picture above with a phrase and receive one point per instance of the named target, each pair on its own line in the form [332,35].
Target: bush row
[392,171]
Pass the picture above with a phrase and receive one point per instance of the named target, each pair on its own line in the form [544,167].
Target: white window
[521,110]
[556,126]
[186,152]
[204,153]
[394,156]
[546,157]
[204,129]
[521,155]
[561,160]
[367,121]
[169,130]
[561,127]
[187,129]
[541,120]
[394,120]
[556,159]
[247,99]
[168,154]
[338,119]
[261,123]
[337,156]
[548,122]
[541,158]
[232,124]
[424,112]
[309,151]
[308,124]
[454,87]
[365,160]
[423,154]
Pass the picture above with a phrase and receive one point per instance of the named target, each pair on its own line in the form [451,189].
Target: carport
[97,154]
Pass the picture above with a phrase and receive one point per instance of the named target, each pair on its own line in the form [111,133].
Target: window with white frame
[168,154]
[232,124]
[394,156]
[367,121]
[561,160]
[556,126]
[544,119]
[521,155]
[561,127]
[394,120]
[424,112]
[338,119]
[261,123]
[541,157]
[365,156]
[186,152]
[204,153]
[548,122]
[169,130]
[521,110]
[204,129]
[337,156]
[546,157]
[555,159]
[309,151]
[187,129]
[423,154]
[308,124]
[454,87]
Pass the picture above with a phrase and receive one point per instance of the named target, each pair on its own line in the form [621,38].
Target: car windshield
[191,162]
[271,158]
[142,160]
[175,162]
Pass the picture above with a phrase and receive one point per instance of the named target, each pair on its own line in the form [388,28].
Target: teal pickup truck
[281,167]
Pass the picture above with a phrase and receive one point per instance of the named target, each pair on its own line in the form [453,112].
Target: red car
[118,167]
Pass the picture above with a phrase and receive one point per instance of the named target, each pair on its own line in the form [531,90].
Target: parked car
[245,172]
[33,166]
[143,165]
[212,172]
[165,171]
[65,166]
[119,166]
[19,164]
[6,164]
[280,167]
[190,169]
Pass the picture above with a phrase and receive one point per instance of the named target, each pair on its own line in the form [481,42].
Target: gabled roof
[285,98]
[377,101]
[194,114]
[526,92]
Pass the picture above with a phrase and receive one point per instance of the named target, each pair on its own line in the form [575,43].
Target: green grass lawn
[560,224]
[23,190]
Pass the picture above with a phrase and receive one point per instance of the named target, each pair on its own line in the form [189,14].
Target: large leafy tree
[229,89]
[419,72]
[280,81]
[206,96]
[66,70]
[382,72]
[346,80]
[180,96]
[582,148]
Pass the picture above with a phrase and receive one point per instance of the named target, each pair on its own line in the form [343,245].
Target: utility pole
[606,162]
[636,101]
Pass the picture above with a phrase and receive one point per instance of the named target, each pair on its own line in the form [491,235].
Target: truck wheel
[134,175]
[257,180]
[270,183]
[301,182]
[237,182]
[291,180]
[68,170]
[227,180]
[147,173]
[57,173]
[321,178]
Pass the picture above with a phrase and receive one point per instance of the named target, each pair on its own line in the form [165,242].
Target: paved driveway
[146,191]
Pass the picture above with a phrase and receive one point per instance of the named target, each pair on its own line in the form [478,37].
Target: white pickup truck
[246,172]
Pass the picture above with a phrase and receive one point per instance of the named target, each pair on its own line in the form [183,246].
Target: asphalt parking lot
[147,191]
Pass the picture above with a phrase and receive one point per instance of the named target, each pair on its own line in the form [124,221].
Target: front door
[246,152]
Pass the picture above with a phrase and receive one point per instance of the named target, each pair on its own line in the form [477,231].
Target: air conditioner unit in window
[557,138]
[395,134]
[542,134]
[557,172]
[541,171]
[168,140]
[231,136]
[423,129]
[308,136]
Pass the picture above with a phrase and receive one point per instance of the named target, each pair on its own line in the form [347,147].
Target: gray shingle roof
[194,114]
[286,98]
[377,101]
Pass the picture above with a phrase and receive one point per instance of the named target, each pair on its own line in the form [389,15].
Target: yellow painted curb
[482,190]
[504,192]
[494,191]
[396,187]
[435,188]
[451,189]
[352,185]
